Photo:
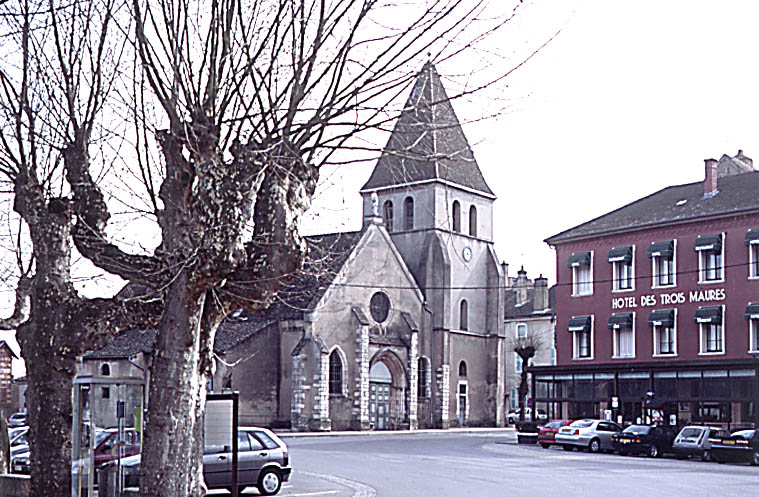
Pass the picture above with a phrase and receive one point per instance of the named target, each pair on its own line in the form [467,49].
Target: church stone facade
[399,325]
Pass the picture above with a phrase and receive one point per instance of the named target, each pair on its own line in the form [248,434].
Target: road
[454,464]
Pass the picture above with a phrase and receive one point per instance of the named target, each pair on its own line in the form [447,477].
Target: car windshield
[689,433]
[637,429]
[100,436]
[554,424]
[582,423]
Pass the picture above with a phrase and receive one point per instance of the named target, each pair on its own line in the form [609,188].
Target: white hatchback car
[592,434]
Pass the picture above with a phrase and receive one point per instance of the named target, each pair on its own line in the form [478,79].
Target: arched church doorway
[380,381]
[387,392]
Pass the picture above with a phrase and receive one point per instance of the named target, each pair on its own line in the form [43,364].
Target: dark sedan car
[644,439]
[547,434]
[738,447]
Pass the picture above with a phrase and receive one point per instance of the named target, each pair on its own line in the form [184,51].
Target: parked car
[592,434]
[513,415]
[262,461]
[741,446]
[17,419]
[694,441]
[107,445]
[547,434]
[644,439]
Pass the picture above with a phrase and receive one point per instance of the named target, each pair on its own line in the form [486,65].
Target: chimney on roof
[747,160]
[505,269]
[540,302]
[521,285]
[710,179]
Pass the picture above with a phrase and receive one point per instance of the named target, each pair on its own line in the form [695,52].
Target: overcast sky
[629,98]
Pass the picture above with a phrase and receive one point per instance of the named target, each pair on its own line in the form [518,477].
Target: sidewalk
[299,434]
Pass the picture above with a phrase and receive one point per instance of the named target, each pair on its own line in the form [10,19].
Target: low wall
[14,485]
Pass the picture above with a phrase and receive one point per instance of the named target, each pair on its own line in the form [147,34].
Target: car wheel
[545,446]
[568,448]
[653,451]
[706,456]
[755,458]
[269,482]
[594,446]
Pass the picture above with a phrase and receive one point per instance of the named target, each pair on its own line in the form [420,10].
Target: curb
[451,431]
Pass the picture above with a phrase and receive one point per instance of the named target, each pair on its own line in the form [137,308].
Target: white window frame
[519,325]
[702,342]
[517,363]
[615,342]
[655,273]
[655,329]
[702,269]
[576,343]
[576,284]
[753,261]
[615,269]
[753,331]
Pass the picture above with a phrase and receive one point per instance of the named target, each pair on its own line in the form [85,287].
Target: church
[397,326]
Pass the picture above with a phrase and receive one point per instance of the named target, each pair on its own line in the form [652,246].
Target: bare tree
[225,111]
[52,82]
[525,348]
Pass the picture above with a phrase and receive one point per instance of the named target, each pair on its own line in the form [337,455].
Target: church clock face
[467,254]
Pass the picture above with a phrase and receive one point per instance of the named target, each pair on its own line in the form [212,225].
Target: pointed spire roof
[427,142]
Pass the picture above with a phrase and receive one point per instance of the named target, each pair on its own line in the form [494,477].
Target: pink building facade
[657,307]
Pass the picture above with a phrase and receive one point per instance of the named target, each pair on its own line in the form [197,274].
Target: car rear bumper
[286,472]
[580,441]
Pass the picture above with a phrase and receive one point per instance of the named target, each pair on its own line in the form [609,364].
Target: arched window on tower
[462,369]
[464,316]
[335,373]
[456,216]
[105,370]
[408,213]
[473,221]
[387,213]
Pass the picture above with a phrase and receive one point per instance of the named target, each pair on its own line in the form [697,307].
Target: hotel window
[581,264]
[621,259]
[456,216]
[622,325]
[662,255]
[709,248]
[752,242]
[752,316]
[388,211]
[665,338]
[711,331]
[408,213]
[581,328]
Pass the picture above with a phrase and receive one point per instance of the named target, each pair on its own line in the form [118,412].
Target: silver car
[592,434]
[693,441]
[262,462]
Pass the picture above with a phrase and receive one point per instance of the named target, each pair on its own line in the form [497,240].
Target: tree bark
[177,399]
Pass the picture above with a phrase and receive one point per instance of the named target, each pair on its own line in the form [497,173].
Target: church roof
[427,143]
[327,254]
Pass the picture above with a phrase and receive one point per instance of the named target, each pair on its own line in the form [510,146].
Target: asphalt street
[486,464]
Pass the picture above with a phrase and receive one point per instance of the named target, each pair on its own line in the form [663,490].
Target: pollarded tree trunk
[49,406]
[177,398]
